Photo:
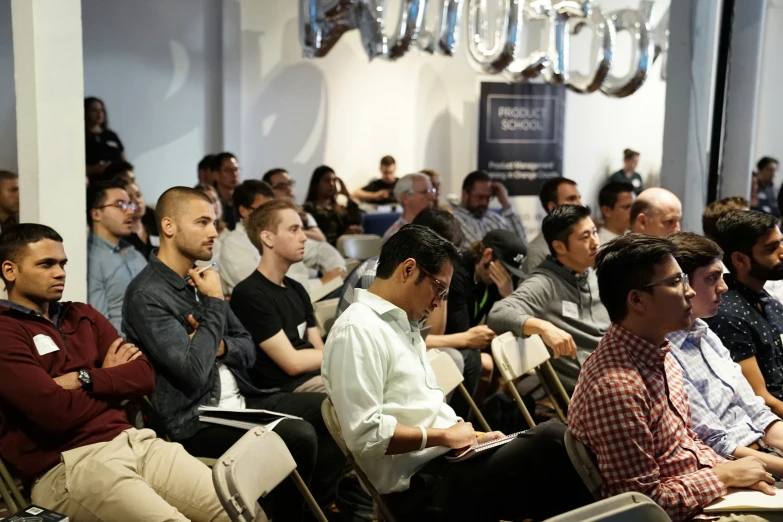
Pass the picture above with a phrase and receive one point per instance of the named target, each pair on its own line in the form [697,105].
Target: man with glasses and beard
[749,321]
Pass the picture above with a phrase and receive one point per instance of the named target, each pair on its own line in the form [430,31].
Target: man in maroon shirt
[64,372]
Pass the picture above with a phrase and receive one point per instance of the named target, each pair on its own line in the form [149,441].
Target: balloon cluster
[433,26]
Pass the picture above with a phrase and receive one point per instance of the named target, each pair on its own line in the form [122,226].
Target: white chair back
[446,372]
[516,356]
[249,470]
[630,506]
[324,315]
[359,246]
[584,463]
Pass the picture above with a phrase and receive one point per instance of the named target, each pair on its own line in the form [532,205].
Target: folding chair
[449,377]
[584,463]
[351,264]
[621,508]
[253,467]
[333,425]
[516,357]
[324,315]
[12,496]
[156,424]
[359,246]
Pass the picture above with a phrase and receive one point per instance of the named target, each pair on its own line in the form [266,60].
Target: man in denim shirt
[112,262]
[201,354]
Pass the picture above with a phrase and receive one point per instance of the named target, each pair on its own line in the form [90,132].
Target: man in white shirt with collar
[615,201]
[392,413]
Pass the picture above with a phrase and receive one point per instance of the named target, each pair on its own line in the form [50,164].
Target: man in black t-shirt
[275,309]
[380,191]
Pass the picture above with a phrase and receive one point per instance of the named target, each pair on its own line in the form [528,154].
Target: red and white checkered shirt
[630,408]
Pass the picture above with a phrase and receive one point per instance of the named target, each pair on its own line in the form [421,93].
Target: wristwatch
[86,379]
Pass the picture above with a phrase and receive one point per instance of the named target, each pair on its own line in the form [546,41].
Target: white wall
[770,112]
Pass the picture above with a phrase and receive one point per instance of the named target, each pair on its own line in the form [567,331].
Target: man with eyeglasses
[725,412]
[393,417]
[630,403]
[415,193]
[283,186]
[112,262]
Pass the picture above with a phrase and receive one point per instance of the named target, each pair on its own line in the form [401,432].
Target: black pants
[530,477]
[471,373]
[318,458]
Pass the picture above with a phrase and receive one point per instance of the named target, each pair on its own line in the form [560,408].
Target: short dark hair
[428,249]
[116,170]
[694,251]
[6,175]
[628,263]
[717,209]
[474,177]
[739,230]
[608,195]
[387,161]
[206,162]
[218,159]
[548,193]
[171,203]
[629,154]
[442,223]
[245,193]
[559,223]
[271,172]
[15,239]
[765,161]
[96,195]
[640,206]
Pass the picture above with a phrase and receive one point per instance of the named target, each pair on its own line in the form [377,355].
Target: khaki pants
[316,384]
[135,477]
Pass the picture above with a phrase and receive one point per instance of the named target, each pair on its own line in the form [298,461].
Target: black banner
[521,128]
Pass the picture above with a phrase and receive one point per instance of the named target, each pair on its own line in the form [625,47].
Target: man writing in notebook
[64,372]
[201,354]
[630,407]
[392,413]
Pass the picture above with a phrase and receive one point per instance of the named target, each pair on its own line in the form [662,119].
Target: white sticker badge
[570,310]
[302,327]
[44,344]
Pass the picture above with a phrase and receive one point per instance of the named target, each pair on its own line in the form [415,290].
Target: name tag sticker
[302,327]
[44,344]
[570,310]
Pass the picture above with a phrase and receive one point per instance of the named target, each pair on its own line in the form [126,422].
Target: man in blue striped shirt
[725,412]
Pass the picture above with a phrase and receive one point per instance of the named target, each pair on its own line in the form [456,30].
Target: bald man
[202,355]
[656,212]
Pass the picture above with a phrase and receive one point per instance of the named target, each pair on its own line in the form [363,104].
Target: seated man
[112,263]
[554,193]
[65,371]
[415,193]
[559,299]
[629,403]
[201,354]
[725,413]
[392,413]
[239,258]
[474,215]
[275,309]
[656,212]
[749,321]
[283,186]
[380,191]
[615,200]
[463,347]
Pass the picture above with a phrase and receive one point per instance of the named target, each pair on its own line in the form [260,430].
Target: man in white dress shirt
[393,416]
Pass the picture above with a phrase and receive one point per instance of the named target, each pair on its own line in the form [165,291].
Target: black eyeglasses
[122,205]
[443,289]
[284,185]
[669,281]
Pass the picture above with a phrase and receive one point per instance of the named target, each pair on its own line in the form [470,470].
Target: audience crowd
[669,343]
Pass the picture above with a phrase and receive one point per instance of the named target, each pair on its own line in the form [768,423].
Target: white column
[689,91]
[742,94]
[50,125]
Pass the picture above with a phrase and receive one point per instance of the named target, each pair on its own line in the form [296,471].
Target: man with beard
[474,215]
[749,321]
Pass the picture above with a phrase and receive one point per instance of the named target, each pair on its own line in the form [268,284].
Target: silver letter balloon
[433,26]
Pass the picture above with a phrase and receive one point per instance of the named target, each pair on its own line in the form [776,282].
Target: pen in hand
[188,278]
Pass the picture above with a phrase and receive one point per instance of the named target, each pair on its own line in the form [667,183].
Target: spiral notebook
[484,446]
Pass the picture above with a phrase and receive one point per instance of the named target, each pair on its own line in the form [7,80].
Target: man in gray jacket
[559,299]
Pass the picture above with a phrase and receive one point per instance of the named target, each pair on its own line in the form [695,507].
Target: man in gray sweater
[559,299]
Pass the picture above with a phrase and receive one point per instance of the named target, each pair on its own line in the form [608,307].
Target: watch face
[84,377]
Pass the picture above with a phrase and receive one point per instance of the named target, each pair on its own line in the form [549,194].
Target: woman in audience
[144,225]
[102,145]
[628,173]
[333,218]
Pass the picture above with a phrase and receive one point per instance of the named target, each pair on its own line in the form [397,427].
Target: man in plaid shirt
[629,406]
